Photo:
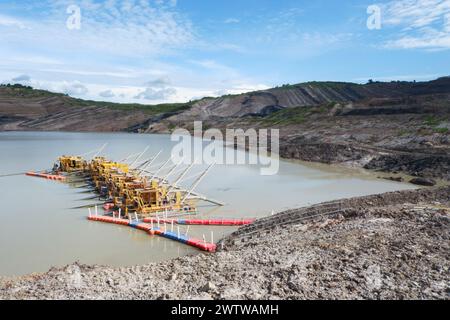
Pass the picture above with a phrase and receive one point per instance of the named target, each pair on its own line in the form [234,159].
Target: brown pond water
[38,228]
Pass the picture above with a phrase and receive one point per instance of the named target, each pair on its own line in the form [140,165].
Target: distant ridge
[25,108]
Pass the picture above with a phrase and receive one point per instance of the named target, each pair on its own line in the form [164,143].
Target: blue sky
[153,51]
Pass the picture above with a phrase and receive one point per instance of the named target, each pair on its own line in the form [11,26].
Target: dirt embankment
[58,114]
[426,161]
[389,246]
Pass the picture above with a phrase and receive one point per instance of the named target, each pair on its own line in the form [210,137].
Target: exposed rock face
[303,149]
[437,166]
[58,113]
[316,94]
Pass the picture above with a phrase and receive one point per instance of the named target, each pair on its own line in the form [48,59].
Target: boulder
[423,182]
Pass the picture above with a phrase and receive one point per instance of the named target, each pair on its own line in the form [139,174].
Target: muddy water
[39,228]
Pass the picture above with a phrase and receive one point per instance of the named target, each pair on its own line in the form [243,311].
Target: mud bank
[420,164]
[394,245]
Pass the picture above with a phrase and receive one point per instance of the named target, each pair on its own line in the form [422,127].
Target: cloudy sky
[153,51]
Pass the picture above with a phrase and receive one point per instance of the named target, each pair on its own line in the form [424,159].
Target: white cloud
[117,51]
[281,26]
[241,88]
[232,20]
[427,39]
[157,89]
[34,60]
[161,82]
[325,39]
[72,88]
[81,72]
[215,66]
[107,94]
[156,94]
[230,47]
[140,94]
[130,28]
[6,21]
[415,13]
[22,78]
[425,24]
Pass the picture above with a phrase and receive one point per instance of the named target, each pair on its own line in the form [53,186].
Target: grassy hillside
[20,91]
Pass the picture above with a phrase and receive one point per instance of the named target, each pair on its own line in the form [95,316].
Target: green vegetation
[15,86]
[230,95]
[331,84]
[432,121]
[288,116]
[441,130]
[324,108]
[150,109]
[171,127]
[296,115]
[287,86]
[435,122]
[29,92]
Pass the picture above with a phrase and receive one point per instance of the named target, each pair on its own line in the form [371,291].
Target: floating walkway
[152,230]
[46,176]
[203,222]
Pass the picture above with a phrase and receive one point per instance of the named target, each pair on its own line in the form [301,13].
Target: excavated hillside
[308,94]
[24,108]
[398,127]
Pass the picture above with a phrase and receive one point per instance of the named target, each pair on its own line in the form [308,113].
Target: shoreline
[392,245]
[320,158]
[77,281]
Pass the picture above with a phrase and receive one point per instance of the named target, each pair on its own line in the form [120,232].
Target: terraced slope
[308,94]
[24,108]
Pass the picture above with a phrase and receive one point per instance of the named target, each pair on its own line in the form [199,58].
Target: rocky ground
[390,246]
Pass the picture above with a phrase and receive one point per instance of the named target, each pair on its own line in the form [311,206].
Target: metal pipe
[172,170]
[99,151]
[156,173]
[196,183]
[129,156]
[140,156]
[150,163]
[175,184]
